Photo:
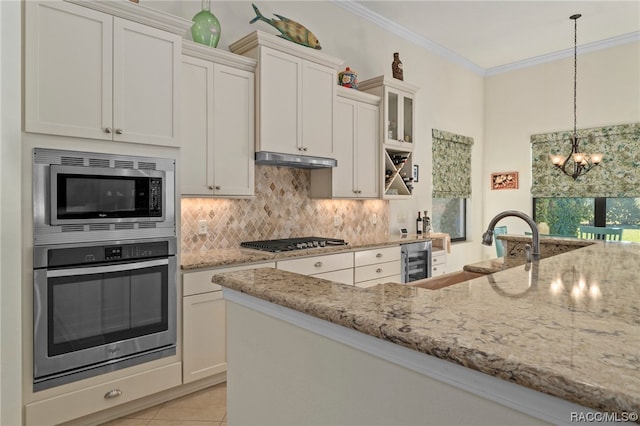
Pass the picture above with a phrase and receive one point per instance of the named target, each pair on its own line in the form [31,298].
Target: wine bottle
[419,224]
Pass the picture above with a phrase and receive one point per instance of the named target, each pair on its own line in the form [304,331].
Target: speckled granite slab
[569,327]
[514,247]
[237,256]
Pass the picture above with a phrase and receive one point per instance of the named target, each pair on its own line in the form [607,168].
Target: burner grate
[289,244]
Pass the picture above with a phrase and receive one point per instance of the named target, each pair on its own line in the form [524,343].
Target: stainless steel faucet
[487,237]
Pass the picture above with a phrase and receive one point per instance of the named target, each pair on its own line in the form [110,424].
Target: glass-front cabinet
[397,118]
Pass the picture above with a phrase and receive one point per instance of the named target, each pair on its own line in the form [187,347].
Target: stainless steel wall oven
[104,262]
[98,308]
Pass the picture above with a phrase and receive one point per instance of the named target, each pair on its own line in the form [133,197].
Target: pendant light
[582,162]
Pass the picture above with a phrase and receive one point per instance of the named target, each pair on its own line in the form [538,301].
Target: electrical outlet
[336,221]
[374,218]
[202,227]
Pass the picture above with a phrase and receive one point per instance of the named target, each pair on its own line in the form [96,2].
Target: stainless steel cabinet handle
[52,273]
[107,129]
[379,255]
[113,393]
[118,131]
[318,264]
[379,270]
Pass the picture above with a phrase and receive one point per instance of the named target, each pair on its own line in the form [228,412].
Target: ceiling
[490,35]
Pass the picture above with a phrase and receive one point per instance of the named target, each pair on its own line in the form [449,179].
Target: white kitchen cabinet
[94,75]
[204,324]
[357,151]
[376,266]
[217,122]
[397,132]
[438,262]
[336,267]
[296,89]
[73,405]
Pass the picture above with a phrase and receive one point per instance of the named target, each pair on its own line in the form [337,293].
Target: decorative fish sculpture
[290,30]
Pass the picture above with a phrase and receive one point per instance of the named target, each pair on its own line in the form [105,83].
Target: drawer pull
[379,255]
[113,393]
[318,264]
[379,270]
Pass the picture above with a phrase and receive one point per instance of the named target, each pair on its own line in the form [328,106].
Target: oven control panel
[84,255]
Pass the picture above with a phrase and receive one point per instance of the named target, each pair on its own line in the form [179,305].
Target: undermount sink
[446,280]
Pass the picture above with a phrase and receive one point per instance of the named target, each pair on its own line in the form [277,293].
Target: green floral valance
[617,176]
[451,164]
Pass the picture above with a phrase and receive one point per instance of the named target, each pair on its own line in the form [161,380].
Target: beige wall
[539,99]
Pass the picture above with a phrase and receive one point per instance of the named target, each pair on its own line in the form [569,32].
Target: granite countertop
[569,327]
[237,256]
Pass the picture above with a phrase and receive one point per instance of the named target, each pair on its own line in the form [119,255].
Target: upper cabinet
[357,149]
[295,91]
[89,72]
[398,112]
[397,120]
[217,122]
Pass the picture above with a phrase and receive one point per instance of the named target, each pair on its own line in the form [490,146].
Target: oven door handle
[106,269]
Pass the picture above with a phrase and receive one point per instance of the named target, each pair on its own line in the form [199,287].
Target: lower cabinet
[204,324]
[335,267]
[438,262]
[73,405]
[377,266]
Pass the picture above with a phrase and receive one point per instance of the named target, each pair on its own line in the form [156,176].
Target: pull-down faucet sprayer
[487,237]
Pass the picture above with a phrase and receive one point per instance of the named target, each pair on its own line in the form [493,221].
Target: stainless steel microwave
[81,197]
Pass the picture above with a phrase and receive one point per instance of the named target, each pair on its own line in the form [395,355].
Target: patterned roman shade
[451,161]
[617,176]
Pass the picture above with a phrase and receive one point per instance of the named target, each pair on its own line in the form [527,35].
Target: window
[565,215]
[450,216]
[451,160]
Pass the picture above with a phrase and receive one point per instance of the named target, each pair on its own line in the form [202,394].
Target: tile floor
[207,407]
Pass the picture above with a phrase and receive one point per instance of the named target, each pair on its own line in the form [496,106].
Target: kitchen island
[556,343]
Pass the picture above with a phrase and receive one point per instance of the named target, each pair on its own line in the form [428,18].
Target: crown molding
[391,26]
[565,53]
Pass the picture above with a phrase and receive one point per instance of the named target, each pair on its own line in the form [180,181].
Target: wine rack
[398,178]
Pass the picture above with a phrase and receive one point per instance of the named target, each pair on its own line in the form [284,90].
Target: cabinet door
[197,121]
[400,117]
[68,70]
[344,134]
[318,95]
[367,152]
[233,112]
[280,101]
[204,336]
[146,70]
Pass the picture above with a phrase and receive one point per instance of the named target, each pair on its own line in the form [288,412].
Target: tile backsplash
[281,208]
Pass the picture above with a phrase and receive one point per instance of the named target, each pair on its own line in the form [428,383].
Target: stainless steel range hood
[292,160]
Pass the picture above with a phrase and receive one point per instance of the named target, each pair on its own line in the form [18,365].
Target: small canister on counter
[348,78]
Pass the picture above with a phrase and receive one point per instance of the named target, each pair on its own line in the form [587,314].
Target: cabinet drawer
[317,264]
[90,400]
[438,269]
[371,283]
[381,270]
[375,256]
[438,257]
[200,281]
[344,276]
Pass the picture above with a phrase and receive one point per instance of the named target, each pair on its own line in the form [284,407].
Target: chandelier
[581,161]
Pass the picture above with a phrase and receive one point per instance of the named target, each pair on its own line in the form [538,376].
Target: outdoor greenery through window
[449,215]
[565,215]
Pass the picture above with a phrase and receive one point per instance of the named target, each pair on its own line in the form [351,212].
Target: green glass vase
[206,27]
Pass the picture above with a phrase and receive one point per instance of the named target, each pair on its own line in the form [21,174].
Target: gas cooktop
[288,244]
